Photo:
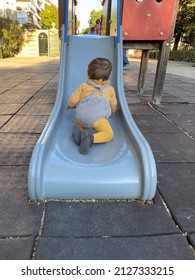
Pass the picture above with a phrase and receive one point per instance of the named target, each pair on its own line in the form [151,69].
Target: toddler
[94,101]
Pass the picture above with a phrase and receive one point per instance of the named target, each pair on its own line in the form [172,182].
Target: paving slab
[163,229]
[46,94]
[165,247]
[9,110]
[80,219]
[173,148]
[38,110]
[175,109]
[142,109]
[192,240]
[16,248]
[181,93]
[37,82]
[167,98]
[133,99]
[42,98]
[14,76]
[158,124]
[18,217]
[44,76]
[14,97]
[25,124]
[29,65]
[186,122]
[181,70]
[176,184]
[16,149]
[50,87]
[4,119]
[189,99]
[26,87]
[7,85]
[189,86]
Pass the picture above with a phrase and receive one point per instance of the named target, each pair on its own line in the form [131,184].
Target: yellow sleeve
[75,97]
[113,102]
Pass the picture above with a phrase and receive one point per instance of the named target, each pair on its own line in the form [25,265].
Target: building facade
[28,12]
[25,11]
[8,9]
[37,42]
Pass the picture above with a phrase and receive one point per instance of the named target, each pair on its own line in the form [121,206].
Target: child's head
[99,69]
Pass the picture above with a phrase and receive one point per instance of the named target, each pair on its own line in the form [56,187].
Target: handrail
[118,37]
[118,21]
[66,21]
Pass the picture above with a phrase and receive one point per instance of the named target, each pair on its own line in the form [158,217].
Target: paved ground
[161,229]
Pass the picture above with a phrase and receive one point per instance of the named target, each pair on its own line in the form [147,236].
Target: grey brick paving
[192,239]
[14,97]
[181,109]
[172,147]
[179,194]
[39,109]
[147,124]
[16,149]
[107,219]
[8,110]
[4,119]
[16,248]
[186,122]
[161,229]
[167,247]
[26,124]
[18,216]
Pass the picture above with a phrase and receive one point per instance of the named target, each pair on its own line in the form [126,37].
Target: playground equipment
[147,25]
[71,16]
[122,169]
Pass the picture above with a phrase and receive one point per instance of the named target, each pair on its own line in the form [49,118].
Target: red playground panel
[147,19]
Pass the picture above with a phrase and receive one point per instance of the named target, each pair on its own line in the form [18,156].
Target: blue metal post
[118,20]
[66,22]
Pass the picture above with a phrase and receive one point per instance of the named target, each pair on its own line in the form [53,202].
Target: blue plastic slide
[122,169]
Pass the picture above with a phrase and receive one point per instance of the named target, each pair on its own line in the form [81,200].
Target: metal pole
[66,22]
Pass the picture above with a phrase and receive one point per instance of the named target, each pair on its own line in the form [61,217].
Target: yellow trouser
[104,132]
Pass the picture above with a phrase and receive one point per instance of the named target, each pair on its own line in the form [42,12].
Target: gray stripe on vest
[93,108]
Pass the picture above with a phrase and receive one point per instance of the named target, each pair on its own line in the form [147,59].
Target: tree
[185,23]
[94,16]
[11,37]
[49,16]
[189,35]
[78,23]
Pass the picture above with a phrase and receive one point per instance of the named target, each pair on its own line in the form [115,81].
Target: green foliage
[11,37]
[78,23]
[185,23]
[49,16]
[181,55]
[94,16]
[188,56]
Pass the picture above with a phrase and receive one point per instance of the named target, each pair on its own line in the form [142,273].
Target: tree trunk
[176,43]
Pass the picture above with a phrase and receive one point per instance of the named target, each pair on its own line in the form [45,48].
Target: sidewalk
[161,229]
